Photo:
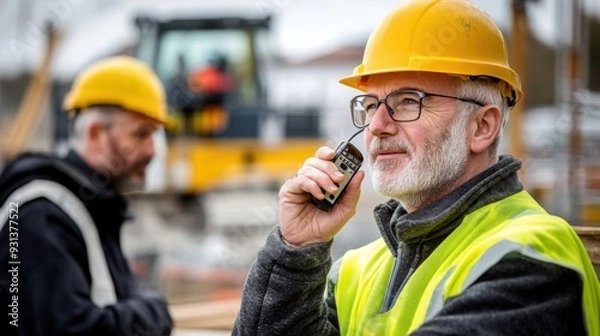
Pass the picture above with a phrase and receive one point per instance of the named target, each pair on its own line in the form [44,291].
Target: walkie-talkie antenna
[355,134]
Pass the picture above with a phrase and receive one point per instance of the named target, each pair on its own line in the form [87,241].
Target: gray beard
[423,177]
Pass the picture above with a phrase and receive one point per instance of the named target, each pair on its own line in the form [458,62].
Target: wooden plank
[218,315]
[590,236]
[200,332]
[587,231]
[25,123]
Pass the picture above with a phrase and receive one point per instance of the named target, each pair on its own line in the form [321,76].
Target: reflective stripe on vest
[102,288]
[484,237]
[490,258]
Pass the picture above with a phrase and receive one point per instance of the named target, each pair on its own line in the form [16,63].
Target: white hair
[487,92]
[81,122]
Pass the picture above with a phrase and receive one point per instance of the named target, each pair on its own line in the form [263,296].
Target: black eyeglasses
[402,106]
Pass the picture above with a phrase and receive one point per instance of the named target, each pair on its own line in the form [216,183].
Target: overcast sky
[303,28]
[329,24]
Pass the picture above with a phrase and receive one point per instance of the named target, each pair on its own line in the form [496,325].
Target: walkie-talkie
[348,160]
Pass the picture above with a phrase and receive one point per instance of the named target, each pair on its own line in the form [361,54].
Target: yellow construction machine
[236,138]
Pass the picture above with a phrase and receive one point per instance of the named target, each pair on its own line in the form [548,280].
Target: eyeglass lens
[401,105]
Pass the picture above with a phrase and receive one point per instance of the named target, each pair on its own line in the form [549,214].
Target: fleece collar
[443,216]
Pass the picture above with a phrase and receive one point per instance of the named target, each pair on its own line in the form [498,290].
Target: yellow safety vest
[515,224]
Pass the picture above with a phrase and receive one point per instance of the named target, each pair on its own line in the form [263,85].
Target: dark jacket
[284,290]
[54,278]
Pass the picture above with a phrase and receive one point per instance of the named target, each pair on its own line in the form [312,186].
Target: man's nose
[149,149]
[382,122]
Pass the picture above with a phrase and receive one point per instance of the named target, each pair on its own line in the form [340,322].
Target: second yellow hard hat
[120,81]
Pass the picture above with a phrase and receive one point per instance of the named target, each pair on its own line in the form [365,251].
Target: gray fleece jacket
[283,294]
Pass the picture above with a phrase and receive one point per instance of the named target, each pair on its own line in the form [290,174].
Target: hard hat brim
[358,80]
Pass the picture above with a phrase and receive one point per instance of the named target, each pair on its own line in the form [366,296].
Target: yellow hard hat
[444,36]
[120,81]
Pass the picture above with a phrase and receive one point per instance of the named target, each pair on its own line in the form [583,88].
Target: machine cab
[213,68]
[210,70]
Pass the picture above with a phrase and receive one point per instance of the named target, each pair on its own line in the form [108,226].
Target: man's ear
[94,133]
[484,128]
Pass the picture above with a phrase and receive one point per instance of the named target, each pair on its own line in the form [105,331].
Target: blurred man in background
[464,249]
[72,277]
[210,86]
[212,81]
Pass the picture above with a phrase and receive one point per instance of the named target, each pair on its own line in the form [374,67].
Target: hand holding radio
[317,203]
[347,160]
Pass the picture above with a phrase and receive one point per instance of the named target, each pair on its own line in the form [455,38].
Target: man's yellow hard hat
[444,36]
[120,81]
